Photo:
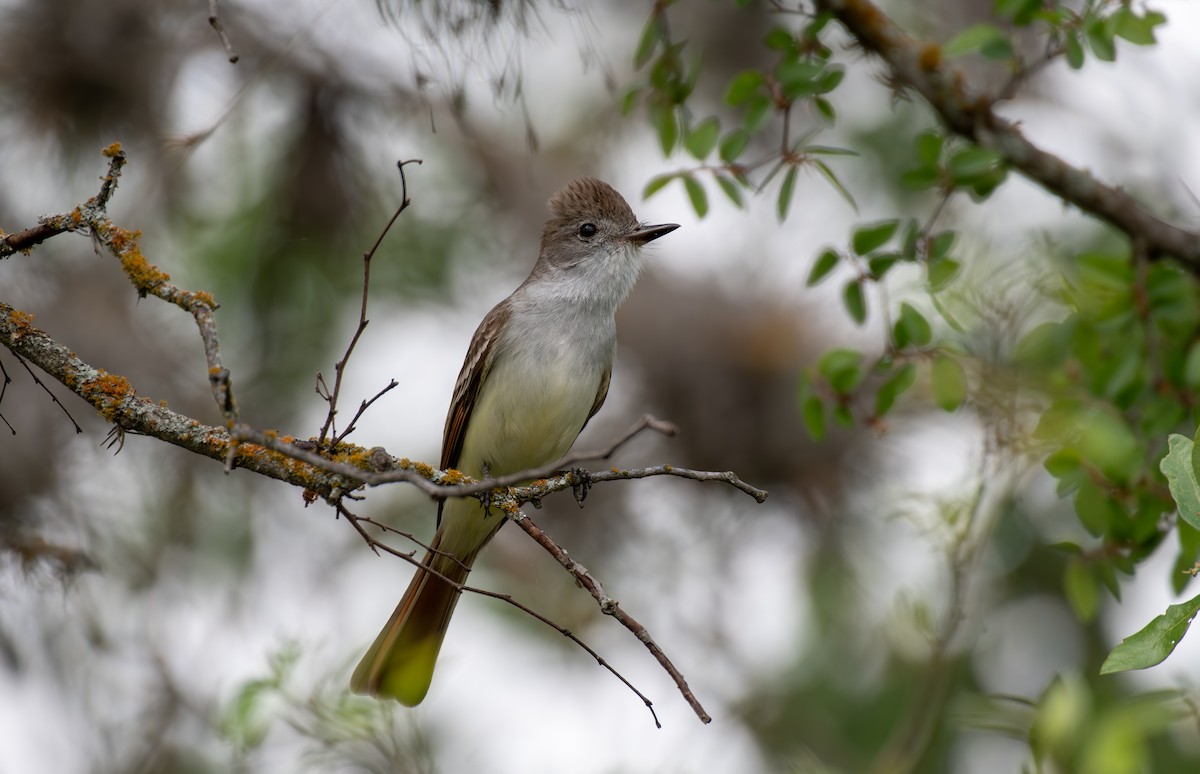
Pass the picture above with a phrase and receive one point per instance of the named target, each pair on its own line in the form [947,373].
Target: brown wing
[474,370]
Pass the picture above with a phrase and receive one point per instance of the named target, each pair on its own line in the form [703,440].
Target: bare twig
[377,546]
[214,19]
[366,404]
[53,397]
[972,116]
[4,389]
[340,366]
[611,607]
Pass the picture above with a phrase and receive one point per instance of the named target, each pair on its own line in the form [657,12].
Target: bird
[536,371]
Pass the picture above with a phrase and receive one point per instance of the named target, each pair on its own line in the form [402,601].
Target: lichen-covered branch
[919,66]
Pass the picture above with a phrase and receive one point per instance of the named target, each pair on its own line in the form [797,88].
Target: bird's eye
[588,230]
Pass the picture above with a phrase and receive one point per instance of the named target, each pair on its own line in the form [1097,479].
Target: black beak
[650,233]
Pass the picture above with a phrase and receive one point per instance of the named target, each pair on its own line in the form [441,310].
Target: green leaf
[949,382]
[1100,40]
[663,119]
[855,301]
[813,412]
[941,243]
[730,187]
[825,110]
[785,194]
[968,164]
[1179,466]
[881,263]
[1074,51]
[1098,511]
[1138,30]
[842,368]
[830,78]
[873,236]
[974,38]
[1020,11]
[940,273]
[733,144]
[758,110]
[828,150]
[696,194]
[826,262]
[929,149]
[1154,642]
[743,87]
[703,138]
[651,35]
[915,325]
[1081,590]
[780,39]
[629,101]
[827,173]
[799,78]
[657,184]
[894,387]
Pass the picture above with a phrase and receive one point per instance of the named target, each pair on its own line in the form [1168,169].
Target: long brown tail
[400,662]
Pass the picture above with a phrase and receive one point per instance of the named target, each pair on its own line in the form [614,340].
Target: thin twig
[340,366]
[366,404]
[214,19]
[4,389]
[611,607]
[377,546]
[53,397]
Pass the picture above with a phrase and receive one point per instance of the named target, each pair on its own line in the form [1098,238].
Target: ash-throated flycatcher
[536,371]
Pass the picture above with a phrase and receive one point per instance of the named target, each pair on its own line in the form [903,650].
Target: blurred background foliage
[957,391]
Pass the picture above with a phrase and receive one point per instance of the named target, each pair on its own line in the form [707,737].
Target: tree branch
[919,66]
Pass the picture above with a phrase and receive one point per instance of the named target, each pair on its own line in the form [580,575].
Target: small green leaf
[799,78]
[949,382]
[842,368]
[855,301]
[830,78]
[873,236]
[828,150]
[1074,51]
[1154,642]
[827,173]
[1180,469]
[1100,40]
[696,194]
[730,187]
[758,110]
[896,385]
[813,411]
[881,263]
[1191,367]
[941,272]
[733,144]
[629,101]
[929,149]
[1138,30]
[703,138]
[915,325]
[941,243]
[780,39]
[743,86]
[967,164]
[974,38]
[785,194]
[651,35]
[663,119]
[826,263]
[1081,590]
[825,110]
[657,184]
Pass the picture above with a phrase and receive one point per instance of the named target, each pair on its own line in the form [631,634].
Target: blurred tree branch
[919,66]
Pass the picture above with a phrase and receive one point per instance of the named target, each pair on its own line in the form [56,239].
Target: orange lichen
[107,392]
[22,323]
[77,216]
[454,477]
[112,150]
[145,276]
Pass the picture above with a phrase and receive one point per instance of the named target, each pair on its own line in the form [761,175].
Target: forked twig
[331,397]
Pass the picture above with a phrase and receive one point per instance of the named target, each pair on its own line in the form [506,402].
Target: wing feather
[474,371]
